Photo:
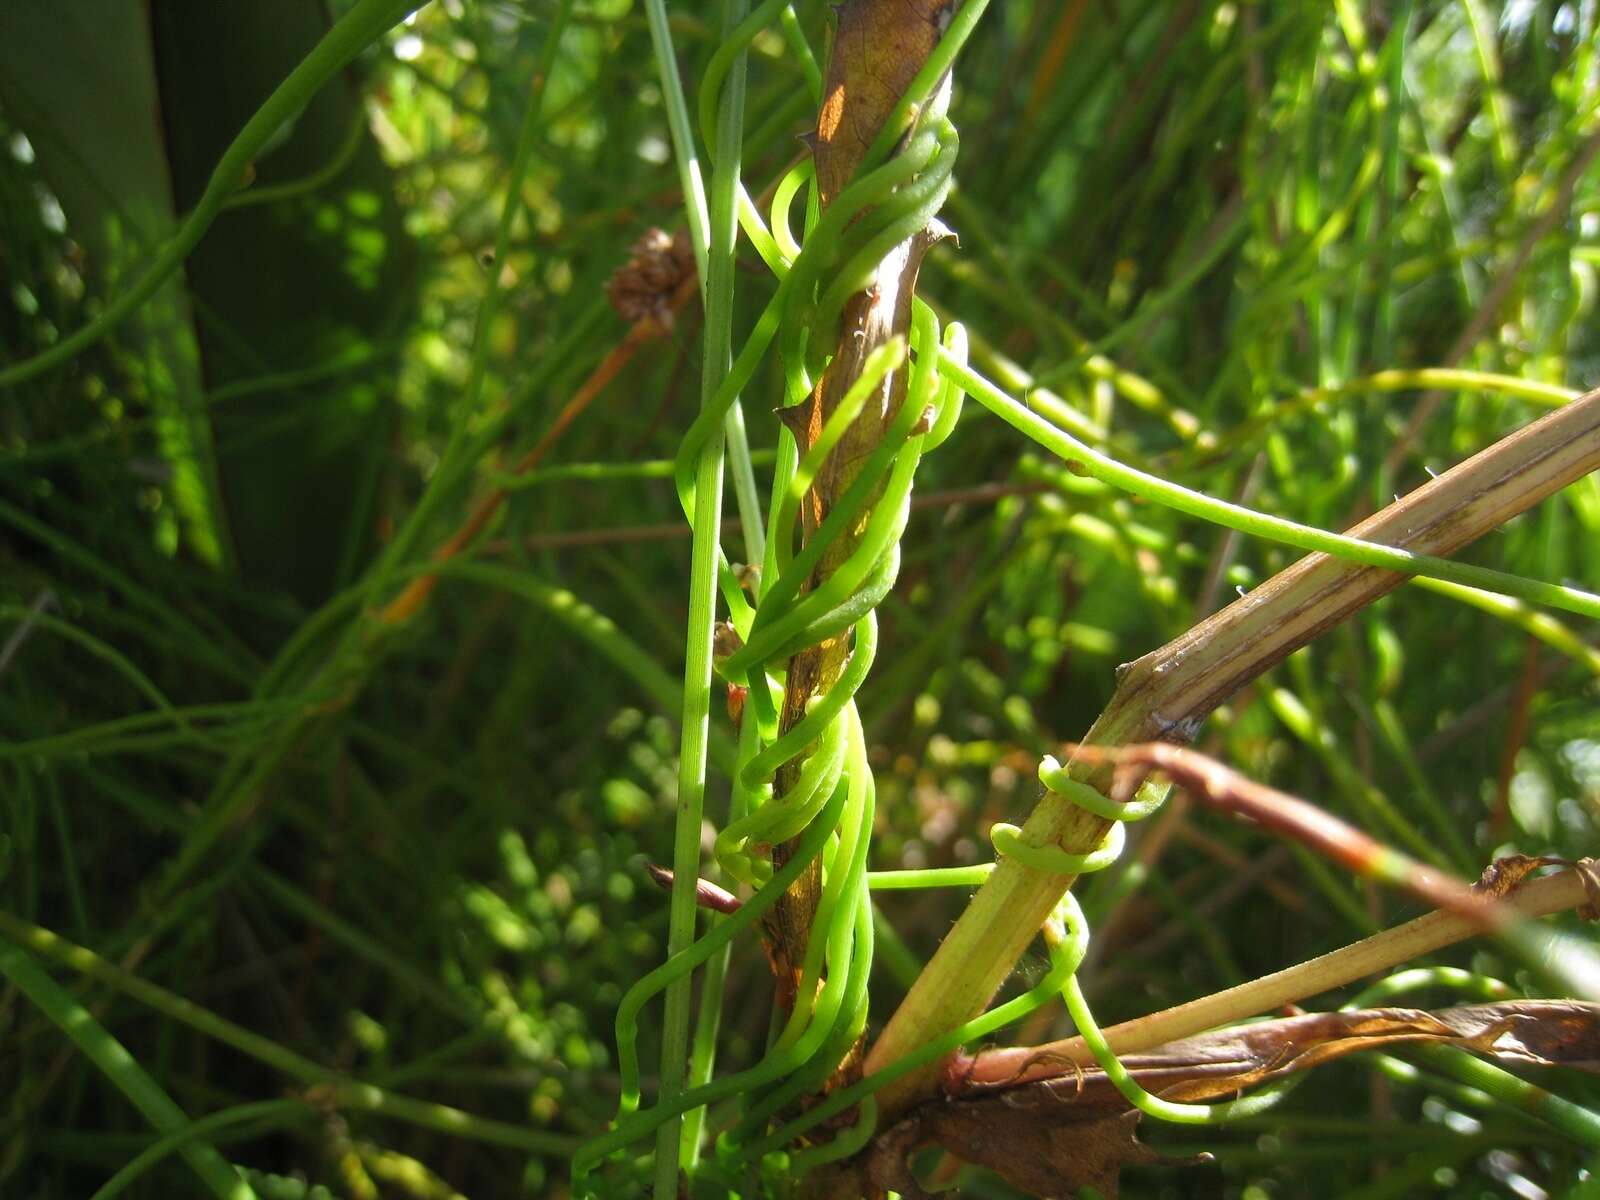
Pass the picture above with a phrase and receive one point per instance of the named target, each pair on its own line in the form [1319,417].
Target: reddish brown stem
[1168,693]
[1222,788]
[706,894]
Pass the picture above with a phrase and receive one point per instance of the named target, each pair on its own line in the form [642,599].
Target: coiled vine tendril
[828,806]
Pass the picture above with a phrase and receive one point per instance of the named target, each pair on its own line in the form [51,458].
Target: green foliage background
[413,855]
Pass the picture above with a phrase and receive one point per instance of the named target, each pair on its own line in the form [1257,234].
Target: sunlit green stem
[697,679]
[1258,524]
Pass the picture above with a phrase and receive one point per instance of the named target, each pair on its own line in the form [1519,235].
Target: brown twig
[1259,871]
[707,895]
[1283,894]
[1485,710]
[1220,787]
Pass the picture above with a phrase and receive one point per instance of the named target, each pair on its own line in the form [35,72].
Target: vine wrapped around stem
[803,786]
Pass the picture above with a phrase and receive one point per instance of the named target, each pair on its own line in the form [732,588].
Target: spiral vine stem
[830,803]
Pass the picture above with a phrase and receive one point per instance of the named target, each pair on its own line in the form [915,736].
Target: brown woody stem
[879,47]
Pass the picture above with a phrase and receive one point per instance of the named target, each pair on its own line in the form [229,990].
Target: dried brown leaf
[1054,1136]
[1506,873]
[1226,1061]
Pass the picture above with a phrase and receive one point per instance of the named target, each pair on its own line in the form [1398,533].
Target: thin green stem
[690,180]
[1259,524]
[265,1113]
[120,1067]
[681,128]
[1580,1124]
[326,173]
[452,459]
[697,677]
[340,1090]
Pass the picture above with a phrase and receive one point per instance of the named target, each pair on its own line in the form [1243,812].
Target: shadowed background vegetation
[409,852]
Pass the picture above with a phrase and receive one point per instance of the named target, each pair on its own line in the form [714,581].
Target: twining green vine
[1286,232]
[829,809]
[1069,939]
[829,806]
[1066,934]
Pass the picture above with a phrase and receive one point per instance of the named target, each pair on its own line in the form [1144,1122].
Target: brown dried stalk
[654,323]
